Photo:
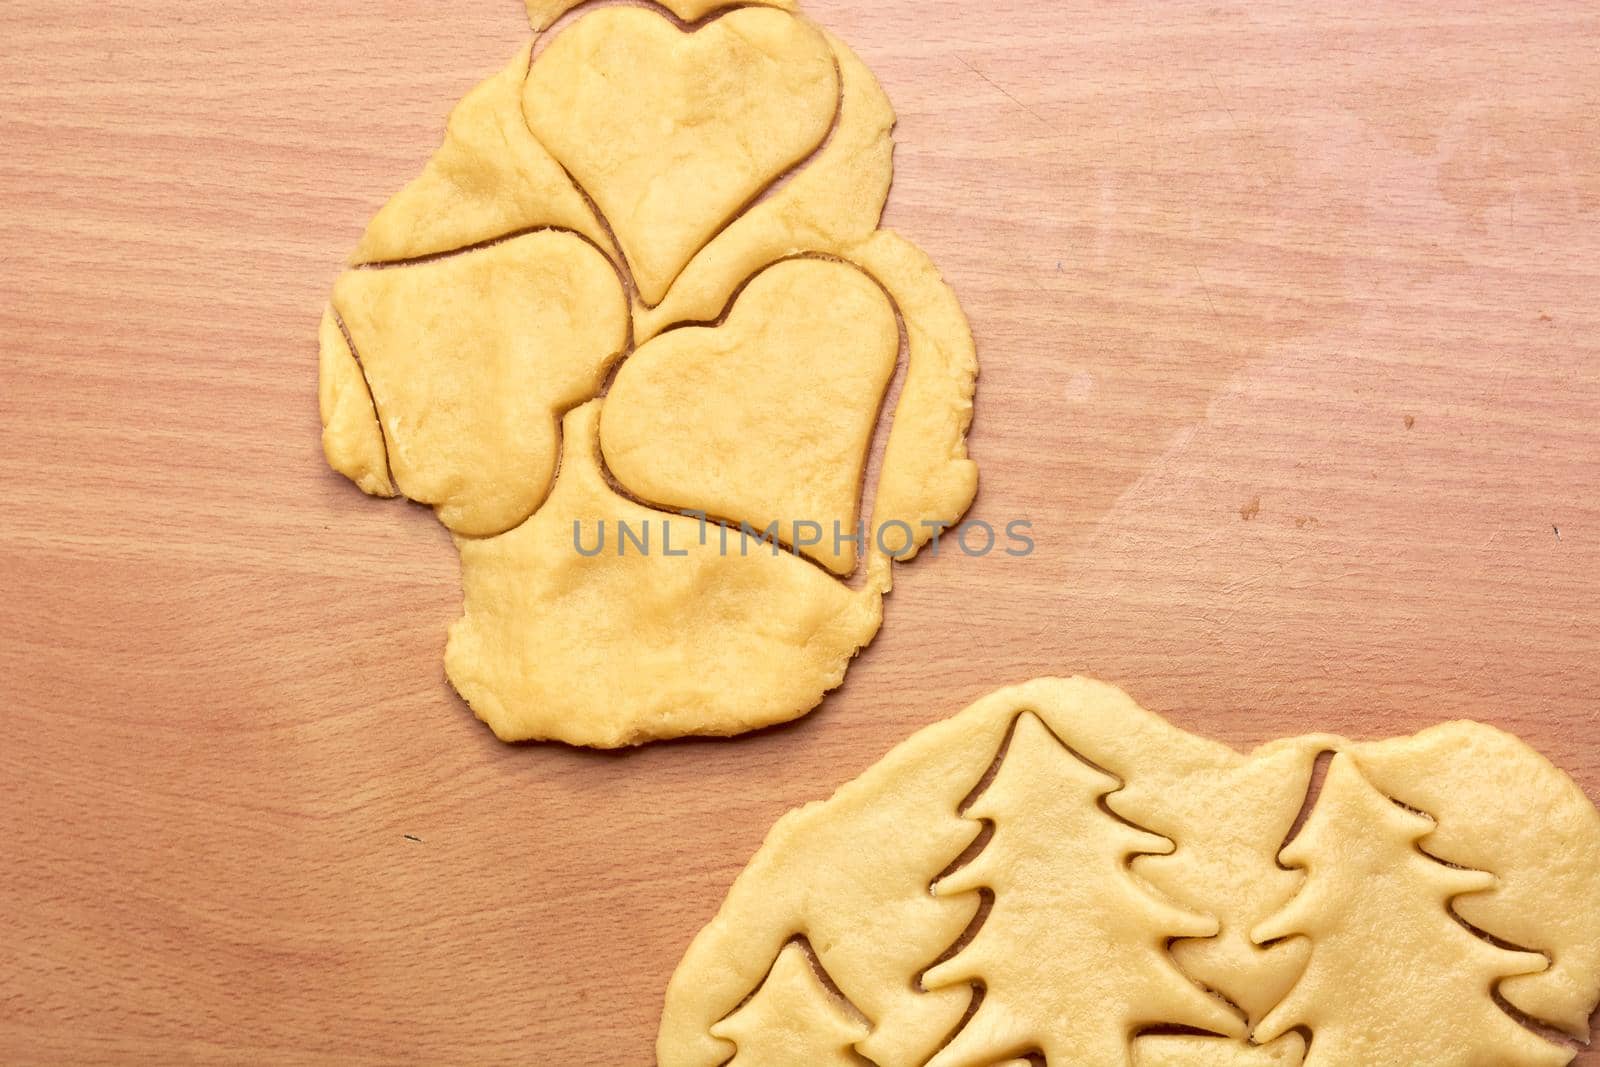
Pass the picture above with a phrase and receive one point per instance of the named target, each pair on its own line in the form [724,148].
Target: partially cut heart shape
[767,418]
[472,358]
[670,132]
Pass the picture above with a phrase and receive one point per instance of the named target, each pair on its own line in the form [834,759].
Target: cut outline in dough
[845,872]
[857,577]
[544,40]
[1340,769]
[606,367]
[1136,842]
[877,567]
[855,153]
[373,483]
[863,511]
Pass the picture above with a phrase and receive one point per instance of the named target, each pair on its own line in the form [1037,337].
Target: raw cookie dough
[471,361]
[1185,1051]
[489,179]
[1114,832]
[768,417]
[727,109]
[632,645]
[542,14]
[741,165]
[793,1019]
[351,437]
[1375,909]
[1072,953]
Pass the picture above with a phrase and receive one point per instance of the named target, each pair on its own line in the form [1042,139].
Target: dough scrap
[853,874]
[737,152]
[488,180]
[352,441]
[1463,768]
[729,108]
[927,478]
[471,361]
[767,418]
[632,646]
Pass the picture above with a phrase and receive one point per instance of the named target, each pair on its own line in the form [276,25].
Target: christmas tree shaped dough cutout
[1115,891]
[1393,977]
[1073,954]
[670,217]
[793,1020]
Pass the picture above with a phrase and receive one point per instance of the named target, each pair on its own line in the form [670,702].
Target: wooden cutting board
[1291,354]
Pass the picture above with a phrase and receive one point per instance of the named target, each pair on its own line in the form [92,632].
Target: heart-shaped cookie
[672,133]
[768,417]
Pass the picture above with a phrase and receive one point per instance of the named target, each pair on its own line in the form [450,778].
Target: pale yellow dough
[832,208]
[768,417]
[1392,977]
[1359,945]
[471,361]
[624,647]
[793,1020]
[1072,954]
[672,133]
[1452,768]
[543,13]
[1173,1051]
[489,179]
[747,154]
[351,439]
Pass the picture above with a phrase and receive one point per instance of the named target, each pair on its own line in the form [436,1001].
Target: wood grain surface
[1291,352]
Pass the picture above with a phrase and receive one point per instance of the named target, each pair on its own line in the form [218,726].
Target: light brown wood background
[1291,352]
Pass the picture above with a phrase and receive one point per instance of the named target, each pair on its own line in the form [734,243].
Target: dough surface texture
[636,336]
[1056,872]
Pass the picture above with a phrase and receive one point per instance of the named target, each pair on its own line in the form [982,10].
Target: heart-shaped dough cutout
[471,359]
[767,418]
[672,133]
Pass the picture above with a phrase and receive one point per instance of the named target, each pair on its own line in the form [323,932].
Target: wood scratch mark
[1222,99]
[1204,288]
[1003,91]
[414,839]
